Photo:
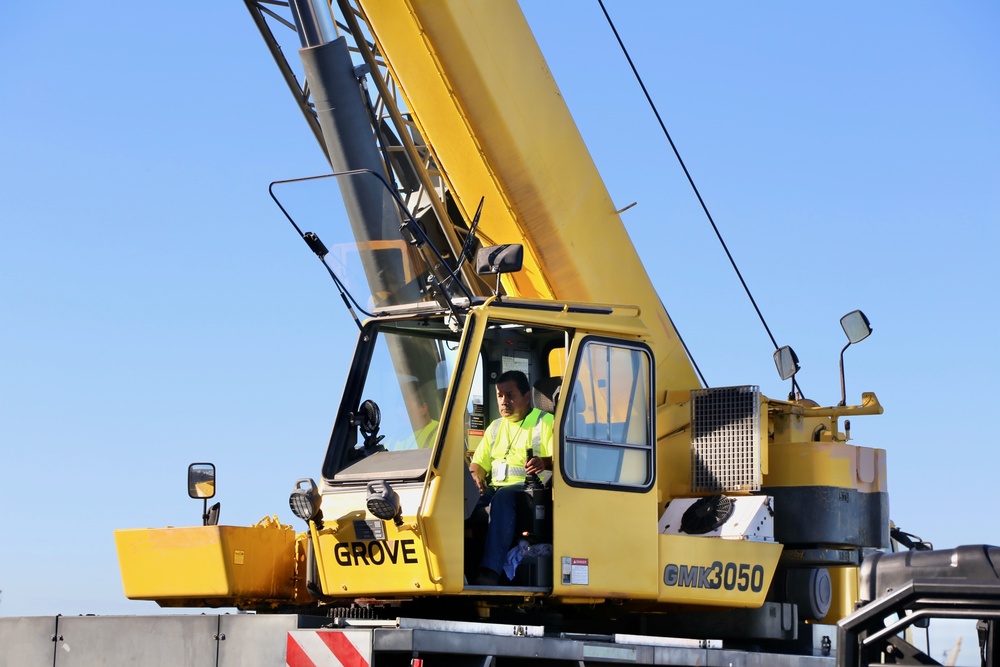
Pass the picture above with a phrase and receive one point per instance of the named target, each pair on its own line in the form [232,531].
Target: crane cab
[391,517]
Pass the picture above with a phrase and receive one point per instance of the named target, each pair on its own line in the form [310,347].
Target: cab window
[607,421]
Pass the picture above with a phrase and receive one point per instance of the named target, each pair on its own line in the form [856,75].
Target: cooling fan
[706,514]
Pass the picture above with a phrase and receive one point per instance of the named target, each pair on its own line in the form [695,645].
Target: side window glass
[608,429]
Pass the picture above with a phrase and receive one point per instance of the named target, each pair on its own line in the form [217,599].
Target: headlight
[305,501]
[383,502]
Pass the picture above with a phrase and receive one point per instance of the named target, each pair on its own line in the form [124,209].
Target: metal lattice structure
[408,161]
[725,440]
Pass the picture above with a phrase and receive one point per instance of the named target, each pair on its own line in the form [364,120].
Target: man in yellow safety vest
[500,463]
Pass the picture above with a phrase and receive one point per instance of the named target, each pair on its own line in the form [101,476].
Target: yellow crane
[664,495]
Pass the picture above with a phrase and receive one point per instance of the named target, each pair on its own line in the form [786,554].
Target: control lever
[539,500]
[531,480]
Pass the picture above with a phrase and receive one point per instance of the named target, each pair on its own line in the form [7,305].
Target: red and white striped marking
[328,648]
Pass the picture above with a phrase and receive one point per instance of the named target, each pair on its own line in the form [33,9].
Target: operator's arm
[478,476]
[481,463]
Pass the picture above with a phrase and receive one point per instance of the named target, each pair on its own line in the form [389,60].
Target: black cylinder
[540,508]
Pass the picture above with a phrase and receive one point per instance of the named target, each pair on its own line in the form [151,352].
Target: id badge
[499,471]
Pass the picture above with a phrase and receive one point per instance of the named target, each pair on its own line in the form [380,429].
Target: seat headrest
[545,393]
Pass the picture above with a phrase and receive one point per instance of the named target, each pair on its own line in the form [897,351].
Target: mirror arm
[843,386]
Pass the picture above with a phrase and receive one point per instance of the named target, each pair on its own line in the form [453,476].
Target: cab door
[605,505]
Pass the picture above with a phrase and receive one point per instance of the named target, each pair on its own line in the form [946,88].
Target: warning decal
[328,648]
[575,571]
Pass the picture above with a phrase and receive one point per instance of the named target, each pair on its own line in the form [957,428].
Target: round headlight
[382,501]
[305,501]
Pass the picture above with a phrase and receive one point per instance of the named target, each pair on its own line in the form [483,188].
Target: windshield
[408,370]
[408,378]
[358,219]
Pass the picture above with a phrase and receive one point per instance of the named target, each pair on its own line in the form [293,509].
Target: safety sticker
[477,419]
[575,571]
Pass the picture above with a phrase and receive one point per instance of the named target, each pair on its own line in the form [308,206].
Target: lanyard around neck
[511,441]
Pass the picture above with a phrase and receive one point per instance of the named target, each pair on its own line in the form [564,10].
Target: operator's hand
[534,465]
[480,482]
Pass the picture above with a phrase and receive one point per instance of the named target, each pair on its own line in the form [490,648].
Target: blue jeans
[503,523]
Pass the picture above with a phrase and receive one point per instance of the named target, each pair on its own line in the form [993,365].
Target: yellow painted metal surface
[836,464]
[604,543]
[715,572]
[351,563]
[846,591]
[485,101]
[359,555]
[217,564]
[443,504]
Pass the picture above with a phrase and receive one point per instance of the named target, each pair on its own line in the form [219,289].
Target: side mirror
[201,484]
[201,480]
[787,362]
[499,259]
[856,328]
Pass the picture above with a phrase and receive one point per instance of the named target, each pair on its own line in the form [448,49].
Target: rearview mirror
[499,259]
[201,480]
[201,484]
[786,361]
[856,326]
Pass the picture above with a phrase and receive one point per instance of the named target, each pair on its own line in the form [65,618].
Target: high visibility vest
[425,436]
[503,452]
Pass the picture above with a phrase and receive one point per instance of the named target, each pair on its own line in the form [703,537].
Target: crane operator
[503,452]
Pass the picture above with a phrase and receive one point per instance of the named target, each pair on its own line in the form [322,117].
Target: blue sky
[156,310]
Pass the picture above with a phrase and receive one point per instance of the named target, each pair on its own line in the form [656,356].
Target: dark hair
[519,378]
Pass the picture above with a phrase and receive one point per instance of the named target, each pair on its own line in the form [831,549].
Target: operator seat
[545,394]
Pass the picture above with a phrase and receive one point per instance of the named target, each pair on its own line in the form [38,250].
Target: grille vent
[725,440]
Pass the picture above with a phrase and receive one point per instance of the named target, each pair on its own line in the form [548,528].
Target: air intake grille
[725,439]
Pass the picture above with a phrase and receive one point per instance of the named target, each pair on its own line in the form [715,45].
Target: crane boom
[484,99]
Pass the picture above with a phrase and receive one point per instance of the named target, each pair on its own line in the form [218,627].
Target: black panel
[830,516]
